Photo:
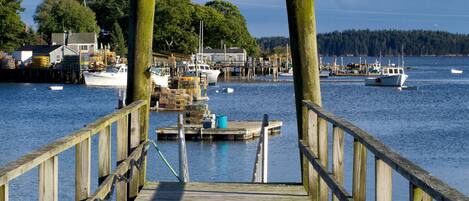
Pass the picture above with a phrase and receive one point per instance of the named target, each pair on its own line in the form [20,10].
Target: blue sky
[269,17]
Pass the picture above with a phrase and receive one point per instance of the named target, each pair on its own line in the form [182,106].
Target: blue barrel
[222,122]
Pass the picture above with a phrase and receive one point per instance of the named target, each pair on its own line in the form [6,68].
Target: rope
[164,160]
[127,177]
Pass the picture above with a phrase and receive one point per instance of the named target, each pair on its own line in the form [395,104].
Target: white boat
[56,88]
[287,74]
[160,76]
[115,76]
[390,76]
[456,71]
[324,74]
[196,69]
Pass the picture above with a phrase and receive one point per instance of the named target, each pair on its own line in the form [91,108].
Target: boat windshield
[112,70]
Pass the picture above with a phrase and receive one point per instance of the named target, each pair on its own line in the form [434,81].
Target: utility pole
[302,26]
[142,14]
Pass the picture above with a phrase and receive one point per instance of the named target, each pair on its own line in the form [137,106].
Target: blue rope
[164,160]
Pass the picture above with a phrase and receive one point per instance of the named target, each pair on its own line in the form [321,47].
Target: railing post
[183,164]
[48,180]
[338,155]
[417,194]
[82,170]
[134,141]
[311,137]
[383,181]
[104,154]
[265,148]
[359,171]
[323,156]
[4,192]
[122,152]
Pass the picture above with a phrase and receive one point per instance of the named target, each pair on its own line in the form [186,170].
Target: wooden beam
[122,151]
[83,170]
[140,42]
[359,172]
[323,156]
[134,141]
[311,137]
[4,192]
[302,26]
[104,154]
[383,181]
[48,180]
[417,194]
[338,156]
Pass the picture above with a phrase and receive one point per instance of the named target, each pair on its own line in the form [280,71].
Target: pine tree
[118,42]
[12,29]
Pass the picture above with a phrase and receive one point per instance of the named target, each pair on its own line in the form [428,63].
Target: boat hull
[391,80]
[159,80]
[212,76]
[455,71]
[105,79]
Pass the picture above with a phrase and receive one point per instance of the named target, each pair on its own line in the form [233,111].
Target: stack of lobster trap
[196,114]
[173,99]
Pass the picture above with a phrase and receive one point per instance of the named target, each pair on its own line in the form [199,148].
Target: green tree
[12,29]
[233,28]
[118,42]
[57,16]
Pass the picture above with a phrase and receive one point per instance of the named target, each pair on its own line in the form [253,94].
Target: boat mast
[402,51]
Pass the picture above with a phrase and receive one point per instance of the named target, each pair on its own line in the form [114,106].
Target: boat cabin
[392,71]
[196,67]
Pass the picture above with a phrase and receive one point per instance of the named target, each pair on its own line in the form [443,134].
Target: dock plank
[170,191]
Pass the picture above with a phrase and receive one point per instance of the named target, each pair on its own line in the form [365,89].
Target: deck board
[171,191]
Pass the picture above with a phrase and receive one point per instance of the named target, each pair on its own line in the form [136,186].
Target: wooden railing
[46,158]
[318,179]
[259,173]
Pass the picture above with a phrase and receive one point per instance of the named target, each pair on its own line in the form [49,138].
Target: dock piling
[183,164]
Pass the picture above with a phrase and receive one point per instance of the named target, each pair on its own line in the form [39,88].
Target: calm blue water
[428,126]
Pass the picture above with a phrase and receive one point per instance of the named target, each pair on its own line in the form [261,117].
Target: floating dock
[237,130]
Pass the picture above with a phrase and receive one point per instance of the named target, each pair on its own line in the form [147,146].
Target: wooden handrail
[46,156]
[417,176]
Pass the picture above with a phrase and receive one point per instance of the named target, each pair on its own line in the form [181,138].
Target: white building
[231,56]
[84,43]
[55,53]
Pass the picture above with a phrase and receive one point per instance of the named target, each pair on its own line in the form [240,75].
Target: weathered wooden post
[302,25]
[142,14]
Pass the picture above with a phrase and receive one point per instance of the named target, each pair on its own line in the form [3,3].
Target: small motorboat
[228,90]
[390,76]
[456,71]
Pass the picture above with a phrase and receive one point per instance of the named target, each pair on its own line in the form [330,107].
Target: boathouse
[55,53]
[84,43]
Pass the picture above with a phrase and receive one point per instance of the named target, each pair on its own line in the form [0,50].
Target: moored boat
[456,71]
[196,69]
[390,76]
[114,76]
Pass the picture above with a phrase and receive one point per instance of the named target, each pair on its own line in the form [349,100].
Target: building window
[84,47]
[57,58]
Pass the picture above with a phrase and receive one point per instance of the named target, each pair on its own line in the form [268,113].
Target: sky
[269,17]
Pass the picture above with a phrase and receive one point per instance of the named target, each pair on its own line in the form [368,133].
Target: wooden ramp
[222,191]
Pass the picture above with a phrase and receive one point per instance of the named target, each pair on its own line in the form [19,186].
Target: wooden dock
[222,191]
[237,130]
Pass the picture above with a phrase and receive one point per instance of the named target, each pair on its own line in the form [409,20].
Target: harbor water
[428,126]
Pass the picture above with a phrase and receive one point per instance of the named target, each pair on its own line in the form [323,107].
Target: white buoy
[228,90]
[56,88]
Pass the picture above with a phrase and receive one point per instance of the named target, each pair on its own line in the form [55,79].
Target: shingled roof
[40,49]
[74,38]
